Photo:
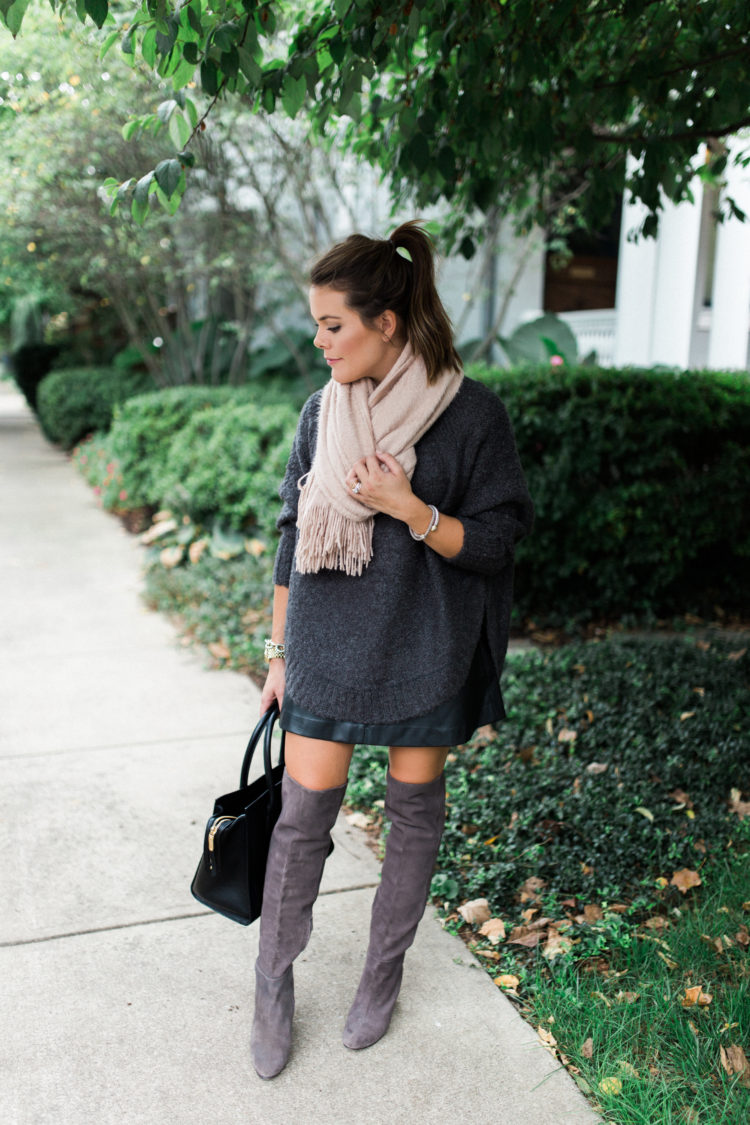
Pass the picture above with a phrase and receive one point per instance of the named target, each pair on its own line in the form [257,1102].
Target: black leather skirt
[449,724]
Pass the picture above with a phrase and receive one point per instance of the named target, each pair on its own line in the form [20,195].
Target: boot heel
[271,1038]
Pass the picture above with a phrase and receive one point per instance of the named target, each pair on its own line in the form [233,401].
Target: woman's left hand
[384,486]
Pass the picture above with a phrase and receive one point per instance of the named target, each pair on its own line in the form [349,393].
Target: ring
[357,488]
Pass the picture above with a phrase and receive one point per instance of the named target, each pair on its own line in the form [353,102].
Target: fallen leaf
[667,960]
[525,936]
[594,768]
[600,996]
[618,907]
[689,1115]
[507,980]
[530,890]
[476,911]
[681,797]
[529,913]
[627,1068]
[494,929]
[737,654]
[546,1037]
[489,954]
[587,869]
[255,547]
[157,531]
[171,557]
[592,913]
[734,1061]
[742,937]
[645,812]
[684,879]
[556,944]
[657,922]
[611,1086]
[693,1027]
[737,805]
[567,735]
[686,715]
[219,650]
[696,995]
[662,882]
[587,1048]
[196,549]
[627,997]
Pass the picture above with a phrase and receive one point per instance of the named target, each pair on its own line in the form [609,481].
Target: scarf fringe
[329,540]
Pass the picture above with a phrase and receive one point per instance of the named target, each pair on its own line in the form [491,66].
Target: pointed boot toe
[271,1038]
[370,1015]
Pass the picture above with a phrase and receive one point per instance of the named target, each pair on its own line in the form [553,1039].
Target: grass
[642,1026]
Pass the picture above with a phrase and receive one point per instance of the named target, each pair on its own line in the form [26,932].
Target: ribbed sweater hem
[373,703]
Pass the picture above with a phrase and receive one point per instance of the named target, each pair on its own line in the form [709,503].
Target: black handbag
[232,869]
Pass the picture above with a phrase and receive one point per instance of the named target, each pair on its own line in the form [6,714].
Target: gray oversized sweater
[399,639]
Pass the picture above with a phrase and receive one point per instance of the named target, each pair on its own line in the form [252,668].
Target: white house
[681,299]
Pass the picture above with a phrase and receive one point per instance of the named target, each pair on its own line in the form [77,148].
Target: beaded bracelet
[434,521]
[273,651]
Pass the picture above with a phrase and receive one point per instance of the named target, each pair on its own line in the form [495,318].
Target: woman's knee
[417,765]
[317,764]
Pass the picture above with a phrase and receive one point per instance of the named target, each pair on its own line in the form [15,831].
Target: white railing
[594,330]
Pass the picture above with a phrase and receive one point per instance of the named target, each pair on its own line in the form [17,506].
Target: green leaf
[130,128]
[108,42]
[168,174]
[225,36]
[190,53]
[139,211]
[148,47]
[179,130]
[13,15]
[293,93]
[128,41]
[341,7]
[165,110]
[209,77]
[98,10]
[143,187]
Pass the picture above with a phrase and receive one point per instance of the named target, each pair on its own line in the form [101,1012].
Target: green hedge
[77,401]
[143,428]
[227,463]
[640,481]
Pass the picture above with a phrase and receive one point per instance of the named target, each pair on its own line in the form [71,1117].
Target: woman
[403,500]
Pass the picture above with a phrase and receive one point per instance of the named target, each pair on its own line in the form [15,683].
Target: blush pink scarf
[335,528]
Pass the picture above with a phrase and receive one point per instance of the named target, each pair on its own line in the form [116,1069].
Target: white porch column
[676,273]
[730,304]
[634,299]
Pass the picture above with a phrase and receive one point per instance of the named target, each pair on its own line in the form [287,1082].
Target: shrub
[228,463]
[78,401]
[640,481]
[616,766]
[143,428]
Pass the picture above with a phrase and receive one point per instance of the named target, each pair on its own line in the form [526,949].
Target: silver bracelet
[273,651]
[434,521]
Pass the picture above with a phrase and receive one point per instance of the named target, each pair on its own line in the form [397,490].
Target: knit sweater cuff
[282,567]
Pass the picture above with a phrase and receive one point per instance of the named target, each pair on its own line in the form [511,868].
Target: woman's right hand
[273,689]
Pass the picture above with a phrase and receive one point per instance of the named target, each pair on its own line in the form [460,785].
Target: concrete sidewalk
[122,1000]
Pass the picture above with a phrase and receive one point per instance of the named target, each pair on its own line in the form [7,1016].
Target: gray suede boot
[299,847]
[417,815]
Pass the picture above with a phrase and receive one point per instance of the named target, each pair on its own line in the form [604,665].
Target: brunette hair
[374,276]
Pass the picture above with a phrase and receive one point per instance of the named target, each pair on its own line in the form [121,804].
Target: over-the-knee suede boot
[417,815]
[298,851]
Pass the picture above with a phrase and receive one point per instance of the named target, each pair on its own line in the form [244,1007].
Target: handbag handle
[264,729]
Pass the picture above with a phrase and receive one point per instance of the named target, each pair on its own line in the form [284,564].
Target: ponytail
[396,273]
